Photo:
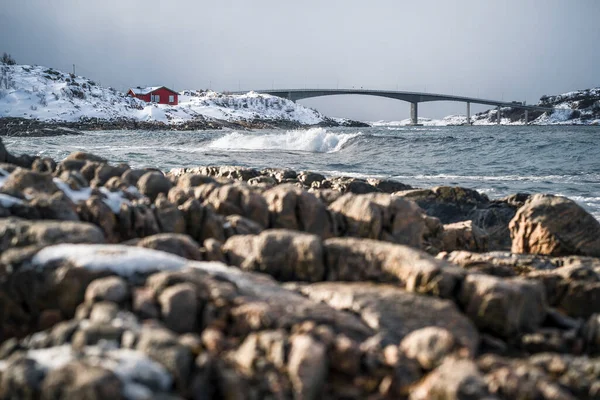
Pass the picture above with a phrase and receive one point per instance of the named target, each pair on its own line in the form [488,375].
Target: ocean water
[496,160]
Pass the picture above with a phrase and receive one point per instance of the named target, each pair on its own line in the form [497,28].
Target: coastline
[257,283]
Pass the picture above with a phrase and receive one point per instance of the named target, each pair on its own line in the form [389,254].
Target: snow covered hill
[45,94]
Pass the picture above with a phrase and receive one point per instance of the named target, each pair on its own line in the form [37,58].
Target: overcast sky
[505,49]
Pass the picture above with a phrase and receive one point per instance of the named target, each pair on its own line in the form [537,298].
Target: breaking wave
[314,140]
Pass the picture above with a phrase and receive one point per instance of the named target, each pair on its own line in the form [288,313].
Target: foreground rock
[554,225]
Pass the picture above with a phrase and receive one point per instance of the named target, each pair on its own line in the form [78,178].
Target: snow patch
[9,201]
[113,200]
[314,140]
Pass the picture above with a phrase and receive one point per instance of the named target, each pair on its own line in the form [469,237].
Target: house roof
[150,89]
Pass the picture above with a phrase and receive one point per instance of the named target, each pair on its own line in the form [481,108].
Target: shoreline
[262,283]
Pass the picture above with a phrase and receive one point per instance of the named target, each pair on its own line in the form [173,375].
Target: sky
[508,49]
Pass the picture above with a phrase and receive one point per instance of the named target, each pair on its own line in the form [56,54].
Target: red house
[156,94]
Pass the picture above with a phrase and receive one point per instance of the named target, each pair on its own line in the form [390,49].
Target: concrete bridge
[414,98]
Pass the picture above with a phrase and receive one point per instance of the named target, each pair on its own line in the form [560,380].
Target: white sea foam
[314,140]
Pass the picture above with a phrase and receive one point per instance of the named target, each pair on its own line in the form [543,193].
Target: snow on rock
[113,200]
[132,367]
[37,92]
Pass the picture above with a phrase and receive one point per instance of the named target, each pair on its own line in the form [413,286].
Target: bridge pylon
[414,114]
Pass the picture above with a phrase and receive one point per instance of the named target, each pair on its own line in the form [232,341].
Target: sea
[495,160]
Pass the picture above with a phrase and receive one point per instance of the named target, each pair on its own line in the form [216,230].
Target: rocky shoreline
[230,282]
[20,127]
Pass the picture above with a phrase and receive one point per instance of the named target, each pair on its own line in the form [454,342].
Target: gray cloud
[513,49]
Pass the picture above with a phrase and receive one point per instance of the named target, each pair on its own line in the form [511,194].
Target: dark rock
[96,211]
[388,186]
[169,217]
[238,225]
[181,245]
[236,199]
[307,367]
[111,288]
[179,308]
[307,178]
[22,379]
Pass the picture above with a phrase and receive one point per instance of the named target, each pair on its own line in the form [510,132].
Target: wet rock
[429,346]
[181,245]
[22,181]
[296,209]
[77,380]
[503,306]
[352,259]
[285,255]
[151,184]
[381,217]
[454,379]
[307,367]
[554,225]
[111,288]
[178,307]
[464,236]
[395,313]
[16,232]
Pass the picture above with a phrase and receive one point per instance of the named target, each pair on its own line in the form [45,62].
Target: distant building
[156,94]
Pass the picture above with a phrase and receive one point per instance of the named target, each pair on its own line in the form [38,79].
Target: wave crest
[314,140]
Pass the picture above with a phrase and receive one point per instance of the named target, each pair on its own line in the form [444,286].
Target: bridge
[414,98]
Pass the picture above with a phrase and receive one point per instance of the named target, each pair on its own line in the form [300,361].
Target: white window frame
[157,98]
[171,98]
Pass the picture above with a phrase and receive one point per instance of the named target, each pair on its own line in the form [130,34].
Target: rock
[132,176]
[111,288]
[77,380]
[16,232]
[454,379]
[104,172]
[96,211]
[99,330]
[202,222]
[307,367]
[503,306]
[388,186]
[45,164]
[499,263]
[352,259]
[178,307]
[464,236]
[57,206]
[212,251]
[21,379]
[163,347]
[104,312]
[279,174]
[191,180]
[236,199]
[22,181]
[296,209]
[352,185]
[554,225]
[152,183]
[168,216]
[394,312]
[80,155]
[264,181]
[382,217]
[143,303]
[181,245]
[137,220]
[326,196]
[307,178]
[449,204]
[285,255]
[238,225]
[429,346]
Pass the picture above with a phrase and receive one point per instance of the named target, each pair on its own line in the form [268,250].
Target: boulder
[178,307]
[181,245]
[454,379]
[293,208]
[77,380]
[16,232]
[395,313]
[96,211]
[503,306]
[202,222]
[238,225]
[22,379]
[307,367]
[80,155]
[464,235]
[152,183]
[57,206]
[235,199]
[382,217]
[111,288]
[388,186]
[285,255]
[307,178]
[352,259]
[429,346]
[168,216]
[554,225]
[22,181]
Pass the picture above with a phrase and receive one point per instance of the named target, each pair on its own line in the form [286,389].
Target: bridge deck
[411,97]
